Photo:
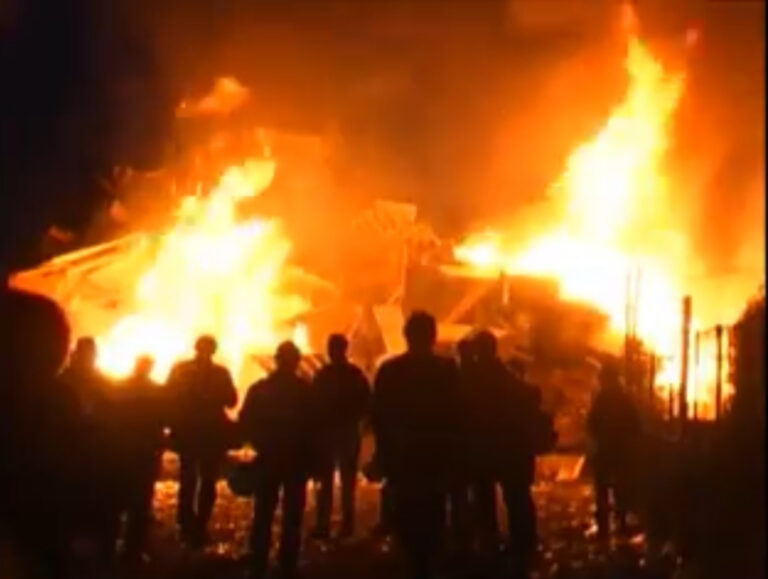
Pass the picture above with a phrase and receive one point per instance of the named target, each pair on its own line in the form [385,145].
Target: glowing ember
[614,221]
[210,275]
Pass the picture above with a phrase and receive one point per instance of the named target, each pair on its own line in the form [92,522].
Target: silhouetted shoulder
[355,369]
[254,397]
[395,363]
[222,371]
[357,373]
[180,369]
[443,365]
[257,386]
[323,376]
[388,370]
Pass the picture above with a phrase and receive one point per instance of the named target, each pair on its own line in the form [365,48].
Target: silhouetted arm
[228,390]
[248,415]
[172,382]
[172,397]
[362,395]
[377,404]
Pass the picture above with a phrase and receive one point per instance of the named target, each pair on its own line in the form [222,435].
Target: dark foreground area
[568,547]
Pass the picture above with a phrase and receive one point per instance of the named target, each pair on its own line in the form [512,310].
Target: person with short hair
[415,419]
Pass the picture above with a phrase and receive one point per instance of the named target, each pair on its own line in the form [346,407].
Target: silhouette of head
[486,345]
[420,332]
[287,357]
[466,350]
[144,365]
[205,347]
[337,348]
[84,353]
[35,334]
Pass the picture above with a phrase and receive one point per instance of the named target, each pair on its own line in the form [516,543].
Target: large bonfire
[612,234]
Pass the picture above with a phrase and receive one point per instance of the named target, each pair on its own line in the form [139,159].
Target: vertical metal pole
[696,373]
[686,339]
[635,367]
[719,372]
[636,301]
[627,327]
[671,403]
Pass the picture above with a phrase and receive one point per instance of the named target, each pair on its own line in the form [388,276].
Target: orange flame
[612,188]
[614,218]
[210,275]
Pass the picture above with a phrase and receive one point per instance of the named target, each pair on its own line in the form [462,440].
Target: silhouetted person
[42,439]
[614,424]
[276,418]
[460,500]
[372,471]
[502,423]
[81,374]
[539,437]
[199,392]
[415,417]
[96,394]
[141,416]
[484,396]
[342,398]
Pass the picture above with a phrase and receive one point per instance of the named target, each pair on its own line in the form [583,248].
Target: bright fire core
[210,275]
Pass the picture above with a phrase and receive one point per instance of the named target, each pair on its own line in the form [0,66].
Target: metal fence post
[686,339]
[719,372]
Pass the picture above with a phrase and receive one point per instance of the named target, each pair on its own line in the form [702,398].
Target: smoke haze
[468,109]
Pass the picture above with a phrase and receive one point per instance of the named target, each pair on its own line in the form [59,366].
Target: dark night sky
[90,84]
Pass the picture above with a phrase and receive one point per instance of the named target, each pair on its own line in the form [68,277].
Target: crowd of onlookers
[81,453]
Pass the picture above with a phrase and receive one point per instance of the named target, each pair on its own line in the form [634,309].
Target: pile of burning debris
[224,265]
[112,291]
[97,285]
